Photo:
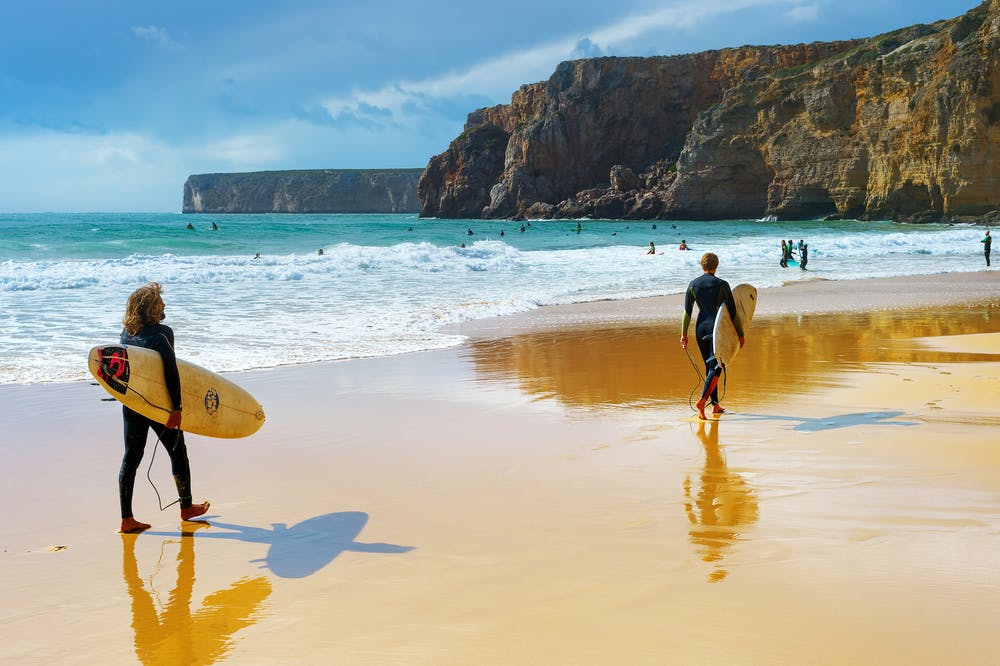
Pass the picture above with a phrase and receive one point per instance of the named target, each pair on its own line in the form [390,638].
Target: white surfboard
[724,337]
[212,405]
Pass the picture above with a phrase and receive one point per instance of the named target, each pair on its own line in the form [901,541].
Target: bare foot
[718,409]
[194,510]
[701,409]
[132,525]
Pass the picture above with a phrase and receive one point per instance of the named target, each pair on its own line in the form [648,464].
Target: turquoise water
[384,284]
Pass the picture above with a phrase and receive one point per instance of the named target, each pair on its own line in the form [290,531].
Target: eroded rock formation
[904,125]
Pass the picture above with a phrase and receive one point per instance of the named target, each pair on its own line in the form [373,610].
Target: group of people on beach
[143,327]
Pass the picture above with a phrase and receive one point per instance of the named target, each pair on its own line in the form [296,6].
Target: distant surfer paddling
[143,314]
[710,293]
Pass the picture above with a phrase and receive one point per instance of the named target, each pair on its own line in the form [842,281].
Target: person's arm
[686,318]
[171,378]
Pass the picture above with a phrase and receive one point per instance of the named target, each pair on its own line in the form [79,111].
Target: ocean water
[385,284]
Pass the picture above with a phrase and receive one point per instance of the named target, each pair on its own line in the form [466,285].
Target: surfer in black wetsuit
[143,315]
[709,292]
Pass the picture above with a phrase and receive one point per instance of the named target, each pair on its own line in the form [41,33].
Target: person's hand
[174,420]
[743,341]
[684,341]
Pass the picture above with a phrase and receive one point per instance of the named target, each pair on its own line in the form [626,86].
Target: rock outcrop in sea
[308,191]
[904,126]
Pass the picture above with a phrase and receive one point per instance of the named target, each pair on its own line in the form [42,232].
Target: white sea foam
[234,312]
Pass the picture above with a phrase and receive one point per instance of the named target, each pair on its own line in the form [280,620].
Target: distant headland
[304,191]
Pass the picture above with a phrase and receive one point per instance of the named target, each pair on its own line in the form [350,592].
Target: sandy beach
[544,494]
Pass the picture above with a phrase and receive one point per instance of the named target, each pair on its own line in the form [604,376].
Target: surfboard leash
[150,478]
[701,380]
[152,458]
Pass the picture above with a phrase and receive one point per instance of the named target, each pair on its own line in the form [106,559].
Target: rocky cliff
[905,125]
[311,191]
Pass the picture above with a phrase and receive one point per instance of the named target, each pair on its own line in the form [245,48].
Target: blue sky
[108,105]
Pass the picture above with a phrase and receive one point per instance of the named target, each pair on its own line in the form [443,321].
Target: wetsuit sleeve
[171,376]
[727,298]
[688,309]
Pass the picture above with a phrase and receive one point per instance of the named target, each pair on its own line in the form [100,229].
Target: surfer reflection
[724,504]
[175,635]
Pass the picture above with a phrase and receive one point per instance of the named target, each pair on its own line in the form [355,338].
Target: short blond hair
[139,311]
[709,262]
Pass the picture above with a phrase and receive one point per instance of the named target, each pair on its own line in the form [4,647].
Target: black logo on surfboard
[211,401]
[114,369]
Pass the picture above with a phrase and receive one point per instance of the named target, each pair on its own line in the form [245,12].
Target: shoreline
[800,297]
[813,297]
[547,497]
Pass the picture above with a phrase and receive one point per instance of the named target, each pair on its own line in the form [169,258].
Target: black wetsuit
[710,292]
[987,242]
[160,338]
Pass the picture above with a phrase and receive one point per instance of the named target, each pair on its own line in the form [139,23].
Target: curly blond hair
[140,309]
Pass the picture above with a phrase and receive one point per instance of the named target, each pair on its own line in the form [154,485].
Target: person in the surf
[143,314]
[987,242]
[710,293]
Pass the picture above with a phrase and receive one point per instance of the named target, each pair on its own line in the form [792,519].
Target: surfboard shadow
[304,548]
[837,421]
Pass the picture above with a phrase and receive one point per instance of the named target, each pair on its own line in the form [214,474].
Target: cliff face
[905,125]
[312,191]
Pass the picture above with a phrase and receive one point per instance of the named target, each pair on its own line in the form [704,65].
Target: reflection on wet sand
[175,635]
[645,366]
[725,504]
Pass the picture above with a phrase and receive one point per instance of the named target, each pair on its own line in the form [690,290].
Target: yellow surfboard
[724,338]
[213,405]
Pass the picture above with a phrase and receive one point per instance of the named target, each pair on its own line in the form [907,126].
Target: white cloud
[499,77]
[51,171]
[243,149]
[157,36]
[803,13]
[54,171]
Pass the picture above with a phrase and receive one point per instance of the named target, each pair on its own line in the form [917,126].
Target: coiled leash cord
[150,479]
[149,469]
[110,372]
[701,381]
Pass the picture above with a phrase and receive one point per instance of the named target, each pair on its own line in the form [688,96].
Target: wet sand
[544,495]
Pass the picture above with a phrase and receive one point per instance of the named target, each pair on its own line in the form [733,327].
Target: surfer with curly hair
[710,293]
[143,314]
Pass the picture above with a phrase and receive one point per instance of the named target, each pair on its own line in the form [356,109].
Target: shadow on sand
[304,548]
[832,422]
